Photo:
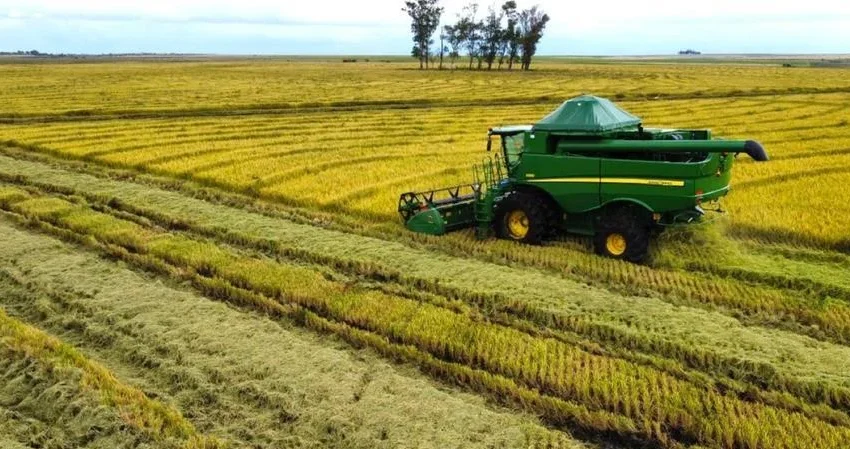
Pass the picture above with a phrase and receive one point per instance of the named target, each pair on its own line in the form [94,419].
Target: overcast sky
[582,27]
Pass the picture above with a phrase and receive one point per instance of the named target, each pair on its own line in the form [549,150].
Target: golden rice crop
[334,144]
[358,162]
[134,86]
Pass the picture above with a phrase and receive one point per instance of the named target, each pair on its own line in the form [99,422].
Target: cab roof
[510,130]
[587,114]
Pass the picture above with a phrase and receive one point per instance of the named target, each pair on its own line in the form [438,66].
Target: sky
[379,27]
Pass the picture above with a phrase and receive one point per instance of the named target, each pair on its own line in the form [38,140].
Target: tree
[454,40]
[417,53]
[531,24]
[509,47]
[425,18]
[469,31]
[442,46]
[492,35]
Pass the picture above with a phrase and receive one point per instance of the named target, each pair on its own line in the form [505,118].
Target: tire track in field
[272,131]
[786,177]
[215,129]
[340,201]
[386,139]
[811,154]
[211,132]
[270,181]
[776,235]
[203,154]
[730,119]
[166,125]
[226,163]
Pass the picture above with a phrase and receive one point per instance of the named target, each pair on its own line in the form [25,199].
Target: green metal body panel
[587,155]
[580,183]
[428,221]
[586,114]
[439,211]
[558,174]
[584,176]
[442,219]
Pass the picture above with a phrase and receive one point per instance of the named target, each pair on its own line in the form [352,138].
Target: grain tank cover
[587,115]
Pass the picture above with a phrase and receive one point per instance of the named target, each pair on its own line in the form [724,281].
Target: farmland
[207,254]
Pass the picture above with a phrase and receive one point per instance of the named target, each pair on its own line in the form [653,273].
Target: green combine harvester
[587,168]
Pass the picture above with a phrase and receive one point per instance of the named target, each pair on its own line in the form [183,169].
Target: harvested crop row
[599,319]
[532,319]
[280,386]
[622,398]
[514,313]
[158,421]
[816,274]
[764,304]
[31,416]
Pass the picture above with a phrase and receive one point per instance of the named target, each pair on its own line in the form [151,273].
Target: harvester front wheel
[523,217]
[624,235]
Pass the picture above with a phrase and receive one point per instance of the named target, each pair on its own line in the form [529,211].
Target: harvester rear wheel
[523,217]
[624,234]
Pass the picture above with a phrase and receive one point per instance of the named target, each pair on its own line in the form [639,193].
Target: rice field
[258,197]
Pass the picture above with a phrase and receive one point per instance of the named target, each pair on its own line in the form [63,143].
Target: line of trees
[22,53]
[502,37]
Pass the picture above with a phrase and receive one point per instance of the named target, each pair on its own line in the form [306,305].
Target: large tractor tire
[624,233]
[524,217]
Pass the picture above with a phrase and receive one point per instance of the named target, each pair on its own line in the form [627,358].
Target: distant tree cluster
[502,37]
[22,53]
[689,52]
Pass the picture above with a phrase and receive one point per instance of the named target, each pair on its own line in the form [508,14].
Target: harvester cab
[588,168]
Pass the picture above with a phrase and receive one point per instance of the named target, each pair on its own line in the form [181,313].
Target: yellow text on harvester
[648,182]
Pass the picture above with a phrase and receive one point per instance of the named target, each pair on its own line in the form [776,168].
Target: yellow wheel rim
[615,244]
[517,223]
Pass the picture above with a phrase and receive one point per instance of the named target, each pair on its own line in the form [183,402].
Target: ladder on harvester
[488,175]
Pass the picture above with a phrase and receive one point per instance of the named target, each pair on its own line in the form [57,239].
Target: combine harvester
[587,168]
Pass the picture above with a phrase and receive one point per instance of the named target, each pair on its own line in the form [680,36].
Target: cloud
[379,26]
[215,11]
[201,19]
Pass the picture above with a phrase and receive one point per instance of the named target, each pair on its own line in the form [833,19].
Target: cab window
[513,146]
